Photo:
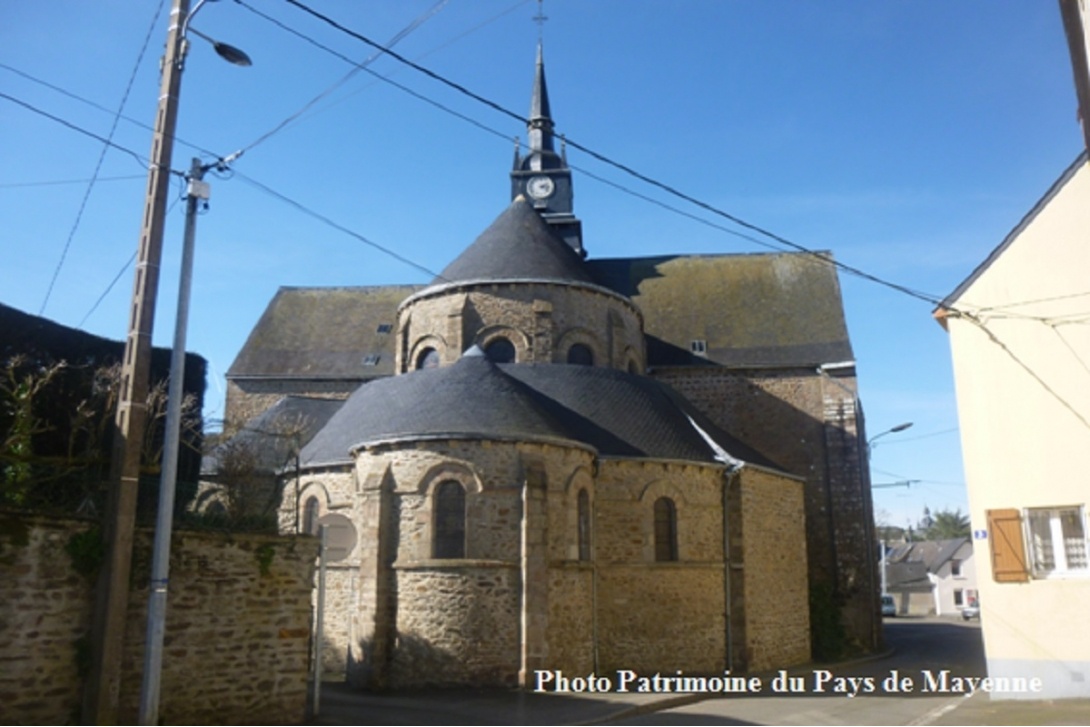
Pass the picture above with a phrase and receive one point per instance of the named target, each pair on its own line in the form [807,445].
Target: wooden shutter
[1008,547]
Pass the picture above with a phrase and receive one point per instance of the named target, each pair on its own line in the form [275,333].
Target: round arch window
[500,350]
[427,359]
[581,355]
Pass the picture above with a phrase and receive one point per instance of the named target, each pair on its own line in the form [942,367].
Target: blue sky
[907,137]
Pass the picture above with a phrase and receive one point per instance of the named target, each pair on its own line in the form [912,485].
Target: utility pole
[111,605]
[196,193]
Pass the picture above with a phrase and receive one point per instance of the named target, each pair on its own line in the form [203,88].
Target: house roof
[933,554]
[518,245]
[324,333]
[615,413]
[951,300]
[750,310]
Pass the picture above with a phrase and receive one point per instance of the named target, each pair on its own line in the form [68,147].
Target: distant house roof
[951,300]
[343,333]
[745,310]
[518,245]
[909,576]
[932,554]
[615,413]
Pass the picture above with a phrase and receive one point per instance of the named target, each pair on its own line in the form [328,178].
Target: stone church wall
[805,422]
[237,632]
[541,323]
[457,623]
[570,635]
[246,398]
[773,557]
[660,616]
[413,620]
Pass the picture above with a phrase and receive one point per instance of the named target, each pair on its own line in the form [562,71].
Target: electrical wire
[142,160]
[101,158]
[337,226]
[100,107]
[926,297]
[356,67]
[59,182]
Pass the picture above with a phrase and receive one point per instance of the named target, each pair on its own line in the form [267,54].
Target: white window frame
[1061,568]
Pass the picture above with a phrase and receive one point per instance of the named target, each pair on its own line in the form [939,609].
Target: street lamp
[870,445]
[102,696]
[898,428]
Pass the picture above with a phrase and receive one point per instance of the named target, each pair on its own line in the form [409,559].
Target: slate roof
[274,434]
[518,245]
[751,310]
[615,413]
[931,554]
[324,333]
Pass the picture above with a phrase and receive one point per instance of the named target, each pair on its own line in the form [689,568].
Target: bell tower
[541,175]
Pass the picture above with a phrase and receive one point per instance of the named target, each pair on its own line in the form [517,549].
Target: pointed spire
[541,123]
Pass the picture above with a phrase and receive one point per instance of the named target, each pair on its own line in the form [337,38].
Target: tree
[946,525]
[246,470]
[56,429]
[21,382]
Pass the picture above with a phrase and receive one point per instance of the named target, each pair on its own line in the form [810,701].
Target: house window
[500,350]
[427,359]
[583,514]
[1057,540]
[665,530]
[699,346]
[955,568]
[385,327]
[310,516]
[450,521]
[581,355]
[959,597]
[372,359]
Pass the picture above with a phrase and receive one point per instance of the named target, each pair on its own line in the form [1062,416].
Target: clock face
[540,187]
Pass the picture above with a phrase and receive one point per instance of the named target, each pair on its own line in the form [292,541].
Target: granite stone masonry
[237,629]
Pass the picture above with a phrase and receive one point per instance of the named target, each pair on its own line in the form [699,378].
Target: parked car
[971,611]
[889,606]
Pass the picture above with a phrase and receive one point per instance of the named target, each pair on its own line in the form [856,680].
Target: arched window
[450,521]
[580,354]
[583,515]
[500,350]
[427,359]
[310,516]
[665,530]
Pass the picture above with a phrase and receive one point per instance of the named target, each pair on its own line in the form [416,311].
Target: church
[555,462]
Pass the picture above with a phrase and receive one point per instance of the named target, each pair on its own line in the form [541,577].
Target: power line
[101,158]
[112,283]
[143,161]
[59,182]
[337,226]
[100,107]
[357,67]
[377,76]
[929,298]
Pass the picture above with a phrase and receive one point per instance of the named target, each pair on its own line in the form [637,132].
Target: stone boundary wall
[237,631]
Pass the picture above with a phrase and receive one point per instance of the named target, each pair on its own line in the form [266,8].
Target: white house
[1020,337]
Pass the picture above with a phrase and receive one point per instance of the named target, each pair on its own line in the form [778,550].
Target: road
[922,649]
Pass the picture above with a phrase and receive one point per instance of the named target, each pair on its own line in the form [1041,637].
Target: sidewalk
[342,705]
[980,710]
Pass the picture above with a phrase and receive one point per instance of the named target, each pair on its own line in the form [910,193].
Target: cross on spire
[540,18]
